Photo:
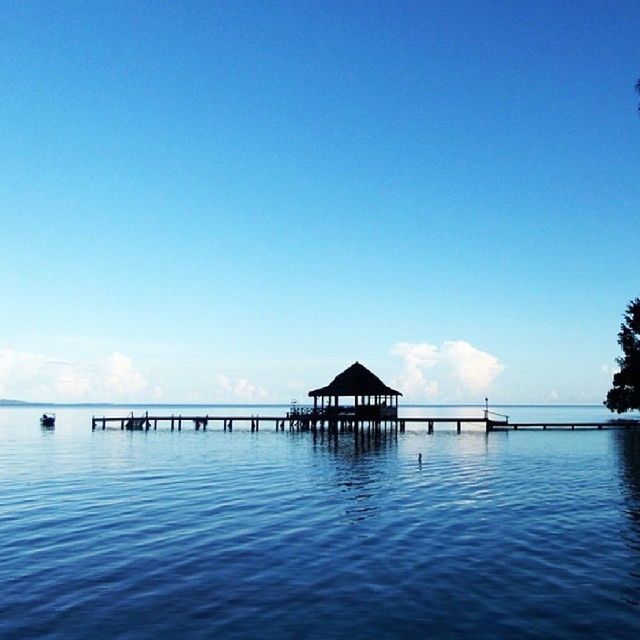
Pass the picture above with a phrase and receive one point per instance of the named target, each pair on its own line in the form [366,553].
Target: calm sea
[272,535]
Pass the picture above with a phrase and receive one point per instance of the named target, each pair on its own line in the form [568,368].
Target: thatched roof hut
[372,397]
[355,381]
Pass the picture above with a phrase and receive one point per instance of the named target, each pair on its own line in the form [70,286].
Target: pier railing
[345,412]
[488,415]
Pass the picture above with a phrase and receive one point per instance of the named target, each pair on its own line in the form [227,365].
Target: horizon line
[21,403]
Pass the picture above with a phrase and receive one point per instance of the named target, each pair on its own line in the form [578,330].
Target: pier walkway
[292,421]
[306,421]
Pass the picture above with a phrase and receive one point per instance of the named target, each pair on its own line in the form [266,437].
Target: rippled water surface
[272,535]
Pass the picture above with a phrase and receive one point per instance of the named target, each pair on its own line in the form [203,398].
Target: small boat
[48,420]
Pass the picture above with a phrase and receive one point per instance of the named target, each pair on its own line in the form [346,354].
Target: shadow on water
[628,448]
[358,464]
[354,444]
[627,444]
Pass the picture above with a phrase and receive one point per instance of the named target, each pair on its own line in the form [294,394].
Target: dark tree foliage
[624,395]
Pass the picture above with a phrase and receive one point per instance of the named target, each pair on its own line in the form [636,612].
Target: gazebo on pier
[372,398]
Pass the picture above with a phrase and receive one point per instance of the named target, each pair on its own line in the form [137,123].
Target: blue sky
[233,201]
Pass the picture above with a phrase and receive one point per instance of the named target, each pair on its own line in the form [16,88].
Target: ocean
[115,534]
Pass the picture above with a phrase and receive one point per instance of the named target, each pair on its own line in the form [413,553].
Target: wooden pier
[308,421]
[292,421]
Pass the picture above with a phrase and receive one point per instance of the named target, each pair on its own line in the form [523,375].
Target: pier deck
[305,422]
[292,421]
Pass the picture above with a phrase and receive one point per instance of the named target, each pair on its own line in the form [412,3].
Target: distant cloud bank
[240,389]
[113,378]
[35,376]
[453,369]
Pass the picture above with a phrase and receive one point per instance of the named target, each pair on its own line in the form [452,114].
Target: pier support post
[458,426]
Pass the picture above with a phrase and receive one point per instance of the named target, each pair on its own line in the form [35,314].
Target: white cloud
[71,383]
[240,389]
[609,371]
[18,369]
[473,369]
[32,376]
[121,377]
[417,358]
[452,369]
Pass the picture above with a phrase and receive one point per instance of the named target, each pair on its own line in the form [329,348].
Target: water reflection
[354,443]
[356,466]
[628,447]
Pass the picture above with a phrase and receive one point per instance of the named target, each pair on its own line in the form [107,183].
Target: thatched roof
[357,380]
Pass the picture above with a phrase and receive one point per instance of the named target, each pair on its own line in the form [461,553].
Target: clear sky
[234,201]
